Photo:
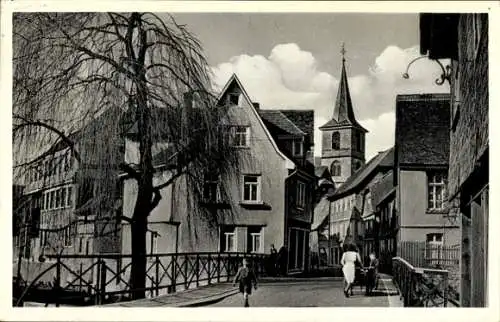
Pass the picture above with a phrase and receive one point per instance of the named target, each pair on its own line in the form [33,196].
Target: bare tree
[98,83]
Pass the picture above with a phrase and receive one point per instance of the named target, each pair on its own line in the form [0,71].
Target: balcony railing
[421,287]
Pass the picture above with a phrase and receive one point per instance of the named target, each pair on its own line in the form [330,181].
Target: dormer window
[297,148]
[234,99]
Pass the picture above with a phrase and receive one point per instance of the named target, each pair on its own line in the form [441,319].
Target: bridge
[204,279]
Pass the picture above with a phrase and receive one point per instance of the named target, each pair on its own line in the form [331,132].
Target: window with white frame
[301,194]
[228,239]
[435,239]
[61,197]
[251,188]
[241,136]
[255,242]
[436,190]
[297,148]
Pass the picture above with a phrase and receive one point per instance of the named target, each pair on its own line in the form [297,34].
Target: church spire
[343,111]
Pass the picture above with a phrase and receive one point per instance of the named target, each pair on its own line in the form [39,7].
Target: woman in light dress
[348,261]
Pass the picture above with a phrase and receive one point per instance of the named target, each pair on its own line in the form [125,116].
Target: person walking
[246,277]
[348,262]
[273,260]
[372,274]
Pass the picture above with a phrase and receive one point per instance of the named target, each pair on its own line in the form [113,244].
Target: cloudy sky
[292,61]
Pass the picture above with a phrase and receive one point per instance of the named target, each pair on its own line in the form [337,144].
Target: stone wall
[469,133]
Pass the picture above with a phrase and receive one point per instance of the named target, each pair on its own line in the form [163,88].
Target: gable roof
[360,177]
[319,171]
[278,119]
[234,79]
[304,119]
[422,129]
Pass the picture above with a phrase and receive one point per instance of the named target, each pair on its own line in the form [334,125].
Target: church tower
[343,138]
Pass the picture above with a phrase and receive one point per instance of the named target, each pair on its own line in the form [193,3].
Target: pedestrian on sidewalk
[372,274]
[348,261]
[273,261]
[246,277]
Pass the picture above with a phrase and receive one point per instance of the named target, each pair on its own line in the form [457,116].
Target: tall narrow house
[343,138]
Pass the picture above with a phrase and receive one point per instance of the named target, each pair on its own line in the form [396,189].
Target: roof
[278,119]
[354,182]
[304,119]
[235,80]
[422,129]
[343,112]
[319,171]
[381,189]
[321,212]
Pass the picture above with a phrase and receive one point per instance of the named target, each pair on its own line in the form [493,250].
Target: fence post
[57,286]
[197,269]
[186,271]
[173,278]
[102,287]
[445,291]
[157,273]
[209,269]
[218,267]
[228,267]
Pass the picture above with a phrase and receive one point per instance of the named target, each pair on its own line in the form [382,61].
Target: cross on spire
[342,51]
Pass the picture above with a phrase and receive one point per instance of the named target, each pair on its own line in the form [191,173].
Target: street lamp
[445,75]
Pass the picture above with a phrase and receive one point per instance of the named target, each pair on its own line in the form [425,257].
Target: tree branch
[49,127]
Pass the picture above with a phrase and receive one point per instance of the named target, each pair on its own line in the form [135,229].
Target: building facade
[269,202]
[421,165]
[463,38]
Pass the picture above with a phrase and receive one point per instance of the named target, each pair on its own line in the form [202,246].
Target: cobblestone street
[308,294]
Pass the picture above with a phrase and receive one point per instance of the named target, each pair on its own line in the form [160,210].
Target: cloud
[289,78]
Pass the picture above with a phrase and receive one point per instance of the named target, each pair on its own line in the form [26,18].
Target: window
[69,195]
[228,239]
[241,136]
[234,99]
[336,141]
[254,240]
[210,188]
[251,188]
[297,148]
[436,190]
[435,239]
[335,169]
[301,194]
[68,236]
[358,141]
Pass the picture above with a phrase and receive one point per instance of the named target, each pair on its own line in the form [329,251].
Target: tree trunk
[138,267]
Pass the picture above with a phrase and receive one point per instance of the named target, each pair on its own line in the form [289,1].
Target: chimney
[256,105]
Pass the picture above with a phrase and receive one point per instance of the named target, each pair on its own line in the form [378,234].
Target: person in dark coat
[282,260]
[372,274]
[273,261]
[246,278]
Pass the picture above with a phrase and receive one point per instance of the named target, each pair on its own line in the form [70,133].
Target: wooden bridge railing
[421,286]
[106,278]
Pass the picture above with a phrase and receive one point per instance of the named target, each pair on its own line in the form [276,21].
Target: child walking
[246,278]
